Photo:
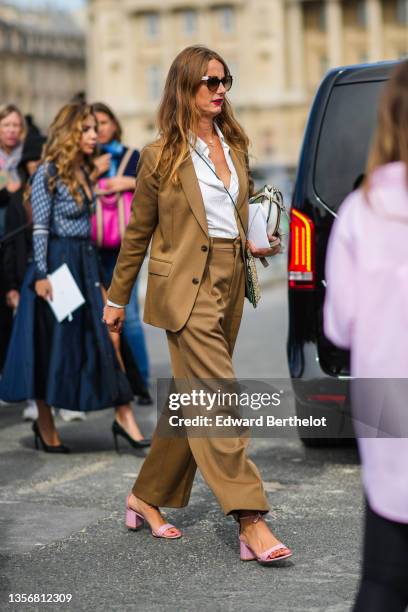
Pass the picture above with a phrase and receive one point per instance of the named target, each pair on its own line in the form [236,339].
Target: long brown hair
[178,114]
[63,147]
[100,107]
[390,142]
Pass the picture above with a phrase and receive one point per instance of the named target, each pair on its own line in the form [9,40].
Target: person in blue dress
[113,151]
[72,364]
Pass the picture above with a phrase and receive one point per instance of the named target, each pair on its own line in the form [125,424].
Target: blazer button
[195,281]
[204,248]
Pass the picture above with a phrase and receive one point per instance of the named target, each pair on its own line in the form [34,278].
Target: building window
[152,25]
[114,67]
[267,142]
[322,17]
[233,68]
[154,82]
[362,13]
[15,41]
[227,19]
[190,22]
[324,64]
[402,11]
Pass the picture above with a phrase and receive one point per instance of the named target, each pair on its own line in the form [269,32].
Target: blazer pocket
[159,266]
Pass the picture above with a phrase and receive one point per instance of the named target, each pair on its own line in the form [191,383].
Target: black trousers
[384,582]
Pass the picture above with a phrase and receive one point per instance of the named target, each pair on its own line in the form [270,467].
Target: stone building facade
[277,50]
[42,61]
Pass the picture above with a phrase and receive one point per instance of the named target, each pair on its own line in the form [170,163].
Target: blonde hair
[178,114]
[8,109]
[63,147]
[390,142]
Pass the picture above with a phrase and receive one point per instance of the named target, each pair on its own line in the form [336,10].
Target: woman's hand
[43,289]
[120,183]
[114,318]
[102,163]
[274,249]
[12,298]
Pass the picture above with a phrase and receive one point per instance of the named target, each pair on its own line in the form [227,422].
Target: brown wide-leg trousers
[203,349]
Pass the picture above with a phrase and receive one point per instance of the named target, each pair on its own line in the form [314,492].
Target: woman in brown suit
[186,182]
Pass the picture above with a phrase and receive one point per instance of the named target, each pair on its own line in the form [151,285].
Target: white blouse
[219,209]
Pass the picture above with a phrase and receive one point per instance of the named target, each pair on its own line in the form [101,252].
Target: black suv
[332,163]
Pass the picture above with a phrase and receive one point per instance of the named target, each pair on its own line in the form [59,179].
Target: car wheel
[305,412]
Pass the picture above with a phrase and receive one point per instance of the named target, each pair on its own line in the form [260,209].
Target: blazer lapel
[192,189]
[192,192]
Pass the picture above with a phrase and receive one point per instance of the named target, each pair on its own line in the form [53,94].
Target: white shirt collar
[220,134]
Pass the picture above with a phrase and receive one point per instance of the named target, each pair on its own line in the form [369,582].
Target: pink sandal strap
[264,556]
[162,529]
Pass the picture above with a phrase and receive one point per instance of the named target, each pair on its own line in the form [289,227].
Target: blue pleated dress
[71,364]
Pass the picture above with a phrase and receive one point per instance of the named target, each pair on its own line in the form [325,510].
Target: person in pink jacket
[366,311]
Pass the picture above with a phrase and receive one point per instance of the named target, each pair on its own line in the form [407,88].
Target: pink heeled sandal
[135,520]
[247,554]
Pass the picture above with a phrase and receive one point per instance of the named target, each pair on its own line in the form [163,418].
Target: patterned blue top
[55,215]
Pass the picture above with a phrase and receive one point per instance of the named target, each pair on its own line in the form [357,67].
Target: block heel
[133,519]
[245,552]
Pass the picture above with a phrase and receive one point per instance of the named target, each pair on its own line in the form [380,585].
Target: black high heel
[118,430]
[61,448]
[145,399]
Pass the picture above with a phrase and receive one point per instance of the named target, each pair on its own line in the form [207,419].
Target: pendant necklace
[211,142]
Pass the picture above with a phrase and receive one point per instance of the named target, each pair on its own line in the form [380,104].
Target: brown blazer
[175,219]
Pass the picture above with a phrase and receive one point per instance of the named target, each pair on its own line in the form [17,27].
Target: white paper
[257,227]
[66,295]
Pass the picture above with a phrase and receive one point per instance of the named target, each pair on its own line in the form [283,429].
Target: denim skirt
[71,364]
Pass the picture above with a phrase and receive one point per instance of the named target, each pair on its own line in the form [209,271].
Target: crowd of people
[57,192]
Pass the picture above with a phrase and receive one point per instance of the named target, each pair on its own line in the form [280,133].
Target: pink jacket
[366,310]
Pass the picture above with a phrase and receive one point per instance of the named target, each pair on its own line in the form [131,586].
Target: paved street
[62,527]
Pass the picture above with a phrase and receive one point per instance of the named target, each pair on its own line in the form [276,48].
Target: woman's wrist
[114,305]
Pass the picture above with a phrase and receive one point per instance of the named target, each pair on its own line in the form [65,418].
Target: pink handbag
[112,213]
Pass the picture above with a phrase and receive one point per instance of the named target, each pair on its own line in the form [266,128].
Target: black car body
[332,163]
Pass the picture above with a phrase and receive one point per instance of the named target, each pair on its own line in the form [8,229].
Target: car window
[344,140]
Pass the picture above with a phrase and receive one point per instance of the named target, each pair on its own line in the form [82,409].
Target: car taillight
[336,399]
[301,270]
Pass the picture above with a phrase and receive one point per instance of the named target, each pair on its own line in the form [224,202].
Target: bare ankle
[247,517]
[141,502]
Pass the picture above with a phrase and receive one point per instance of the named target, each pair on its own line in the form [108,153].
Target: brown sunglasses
[213,82]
